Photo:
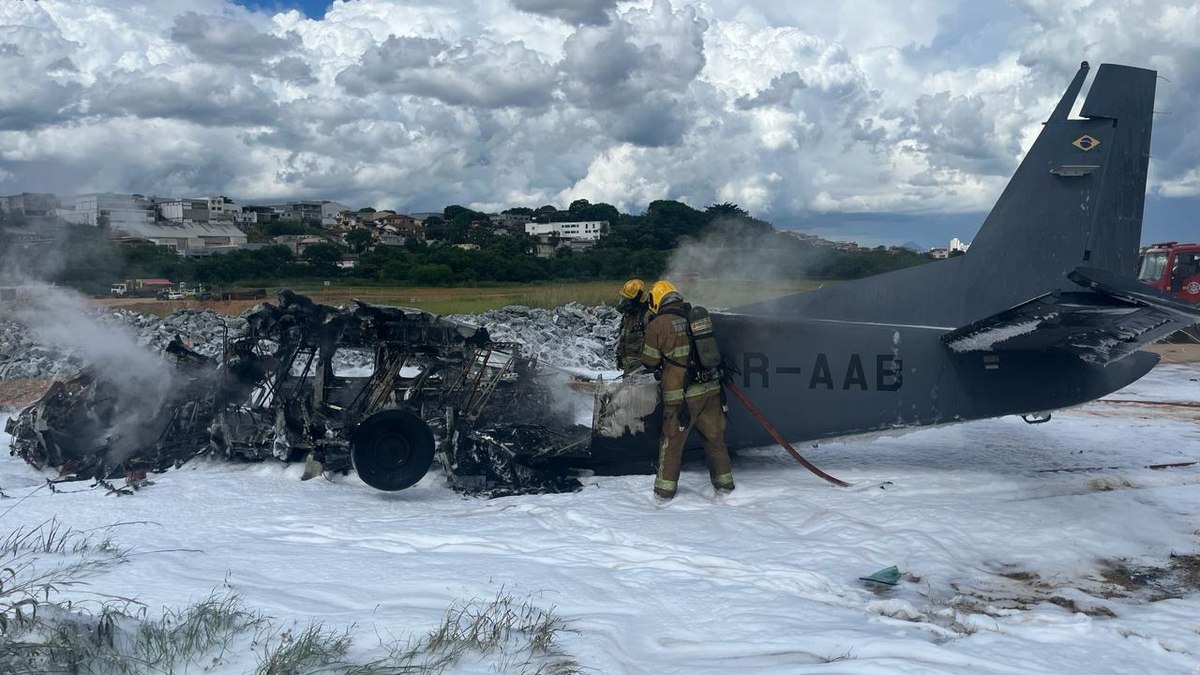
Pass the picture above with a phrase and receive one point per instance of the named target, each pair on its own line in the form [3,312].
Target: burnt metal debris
[434,388]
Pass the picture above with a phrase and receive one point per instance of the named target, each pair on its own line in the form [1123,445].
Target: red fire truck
[1173,268]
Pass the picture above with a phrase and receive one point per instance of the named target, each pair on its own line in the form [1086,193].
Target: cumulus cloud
[788,109]
[778,93]
[636,74]
[198,94]
[589,12]
[472,72]
[219,40]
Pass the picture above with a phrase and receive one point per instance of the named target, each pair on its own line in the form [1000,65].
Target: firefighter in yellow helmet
[691,397]
[634,307]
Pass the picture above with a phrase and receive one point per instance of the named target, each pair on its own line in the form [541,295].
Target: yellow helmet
[660,292]
[633,289]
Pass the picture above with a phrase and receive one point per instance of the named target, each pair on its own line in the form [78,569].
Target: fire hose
[766,424]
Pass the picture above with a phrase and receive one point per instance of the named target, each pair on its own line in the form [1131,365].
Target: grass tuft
[42,630]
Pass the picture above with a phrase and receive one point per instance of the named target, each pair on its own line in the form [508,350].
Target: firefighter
[691,398]
[634,306]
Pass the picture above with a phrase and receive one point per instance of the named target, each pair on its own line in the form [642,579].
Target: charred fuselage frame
[432,387]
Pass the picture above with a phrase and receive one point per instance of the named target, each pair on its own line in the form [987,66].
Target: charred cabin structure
[433,389]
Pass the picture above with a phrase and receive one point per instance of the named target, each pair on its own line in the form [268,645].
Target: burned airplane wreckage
[435,389]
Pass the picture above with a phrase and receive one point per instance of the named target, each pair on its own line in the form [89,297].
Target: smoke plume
[139,381]
[734,254]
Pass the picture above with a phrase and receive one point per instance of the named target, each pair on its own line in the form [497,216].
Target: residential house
[299,242]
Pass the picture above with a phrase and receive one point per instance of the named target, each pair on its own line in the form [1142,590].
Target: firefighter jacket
[633,333]
[668,346]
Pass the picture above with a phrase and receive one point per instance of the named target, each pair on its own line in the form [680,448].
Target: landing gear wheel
[392,449]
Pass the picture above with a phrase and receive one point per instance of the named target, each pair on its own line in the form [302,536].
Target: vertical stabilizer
[1077,198]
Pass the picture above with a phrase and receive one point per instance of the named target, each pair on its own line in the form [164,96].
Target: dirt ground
[20,393]
[1176,352]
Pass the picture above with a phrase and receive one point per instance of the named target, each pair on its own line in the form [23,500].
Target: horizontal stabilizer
[1107,323]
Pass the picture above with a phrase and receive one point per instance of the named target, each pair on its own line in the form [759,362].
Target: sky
[877,121]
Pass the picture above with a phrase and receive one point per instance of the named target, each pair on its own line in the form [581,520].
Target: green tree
[727,209]
[323,258]
[598,211]
[358,239]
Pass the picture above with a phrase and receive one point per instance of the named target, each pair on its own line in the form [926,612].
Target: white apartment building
[587,230]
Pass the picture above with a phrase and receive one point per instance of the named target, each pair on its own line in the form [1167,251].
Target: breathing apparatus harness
[704,364]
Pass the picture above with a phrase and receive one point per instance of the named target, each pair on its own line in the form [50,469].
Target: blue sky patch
[313,9]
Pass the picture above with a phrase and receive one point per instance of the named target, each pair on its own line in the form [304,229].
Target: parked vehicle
[139,288]
[1173,268]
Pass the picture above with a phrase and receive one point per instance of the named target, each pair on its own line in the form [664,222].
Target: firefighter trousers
[705,416]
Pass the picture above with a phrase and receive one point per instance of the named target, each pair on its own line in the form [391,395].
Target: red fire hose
[779,437]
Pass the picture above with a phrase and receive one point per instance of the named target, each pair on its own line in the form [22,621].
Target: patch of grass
[41,631]
[186,636]
[316,648]
[522,636]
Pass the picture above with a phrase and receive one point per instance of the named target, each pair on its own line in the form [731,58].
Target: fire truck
[1173,268]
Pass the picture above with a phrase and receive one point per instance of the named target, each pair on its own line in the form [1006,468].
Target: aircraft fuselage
[821,378]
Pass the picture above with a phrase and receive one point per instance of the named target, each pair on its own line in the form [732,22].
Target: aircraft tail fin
[1076,199]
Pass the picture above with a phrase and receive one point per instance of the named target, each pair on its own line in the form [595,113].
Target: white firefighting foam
[1003,564]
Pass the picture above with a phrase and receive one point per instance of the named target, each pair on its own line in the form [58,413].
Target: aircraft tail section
[1077,198]
[1075,201]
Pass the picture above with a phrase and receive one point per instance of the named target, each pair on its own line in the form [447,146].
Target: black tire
[392,450]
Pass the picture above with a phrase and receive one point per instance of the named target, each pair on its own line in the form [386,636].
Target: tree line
[633,246]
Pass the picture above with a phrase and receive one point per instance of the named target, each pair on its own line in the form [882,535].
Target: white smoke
[140,380]
[731,258]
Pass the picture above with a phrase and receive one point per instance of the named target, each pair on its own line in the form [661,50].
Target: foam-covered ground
[1006,565]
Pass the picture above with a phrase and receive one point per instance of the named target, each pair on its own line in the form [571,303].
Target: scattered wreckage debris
[436,388]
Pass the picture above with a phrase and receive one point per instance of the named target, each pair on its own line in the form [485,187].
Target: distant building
[31,204]
[316,211]
[330,211]
[224,209]
[107,208]
[939,253]
[548,245]
[183,210]
[958,246]
[183,236]
[299,242]
[510,222]
[582,229]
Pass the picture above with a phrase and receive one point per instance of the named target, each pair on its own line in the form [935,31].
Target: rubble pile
[571,336]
